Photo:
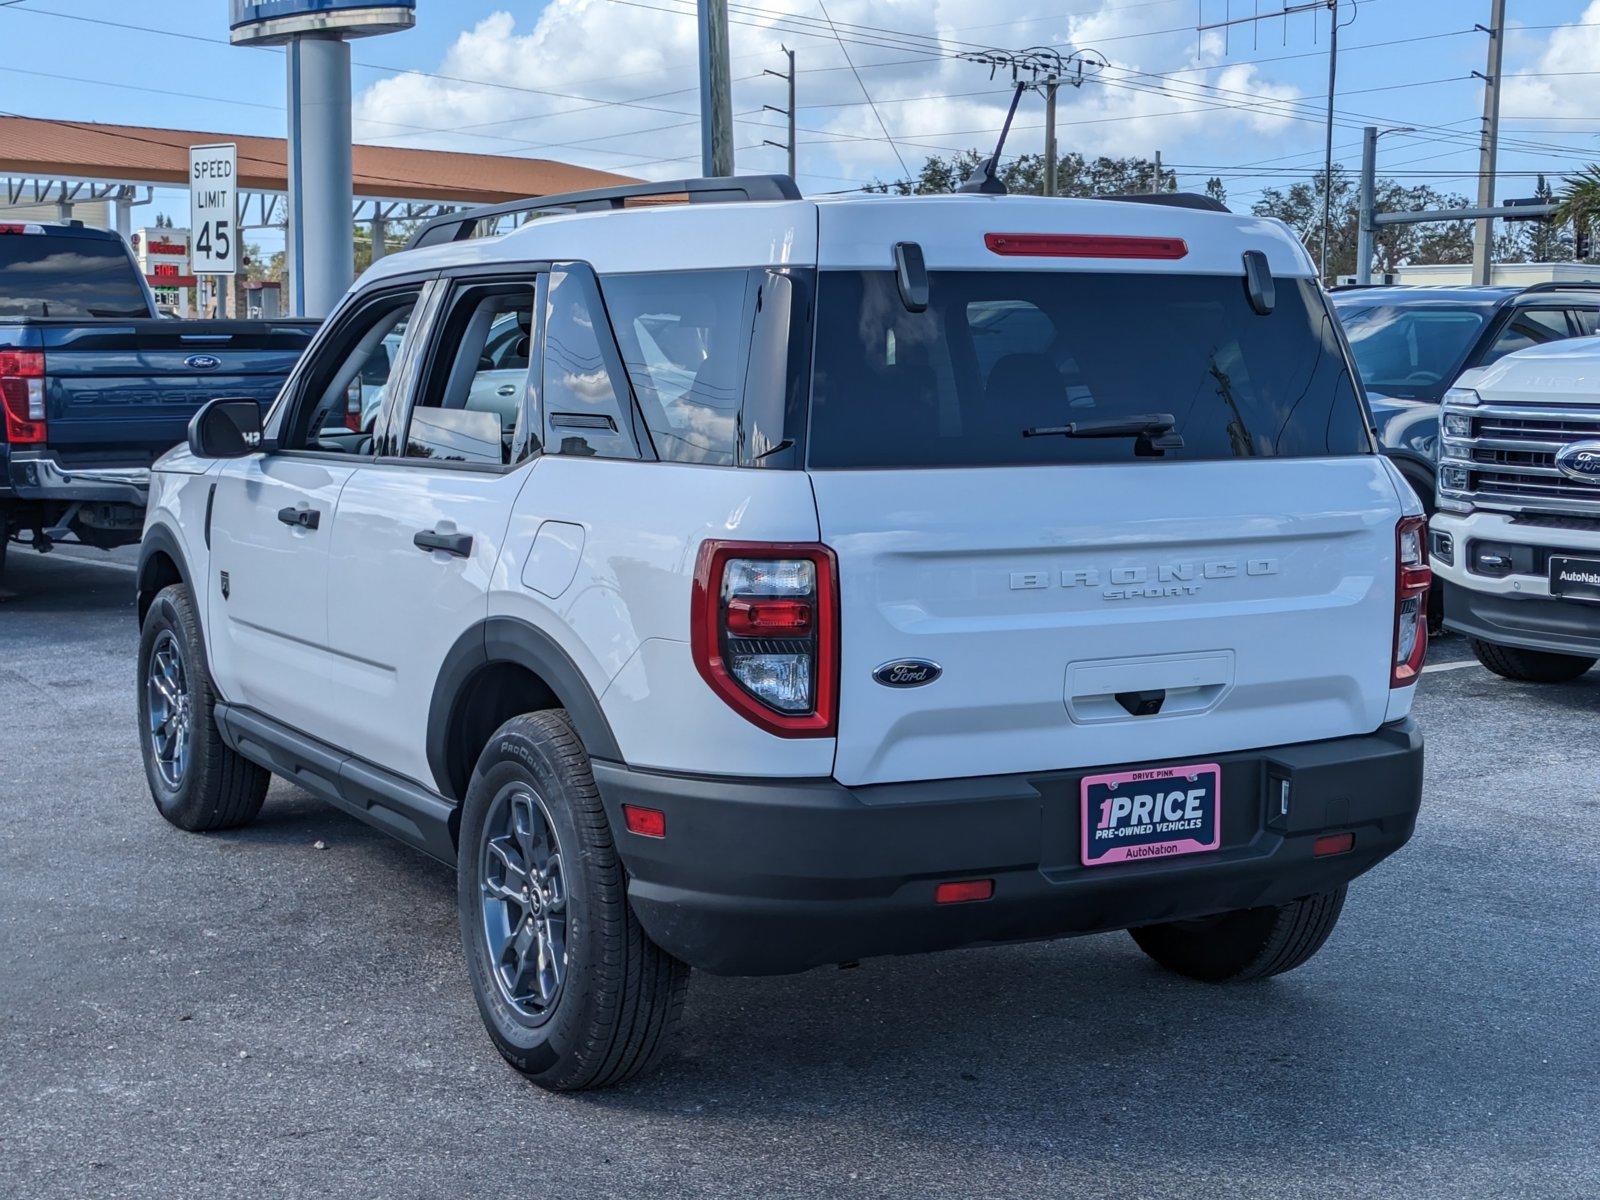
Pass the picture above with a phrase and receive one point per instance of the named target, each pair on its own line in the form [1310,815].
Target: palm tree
[1579,201]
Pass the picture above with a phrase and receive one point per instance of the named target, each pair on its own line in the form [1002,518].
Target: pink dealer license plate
[1155,813]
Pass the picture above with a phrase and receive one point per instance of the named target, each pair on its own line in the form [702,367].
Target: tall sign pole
[1483,231]
[716,90]
[320,250]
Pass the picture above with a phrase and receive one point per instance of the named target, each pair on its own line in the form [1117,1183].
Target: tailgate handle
[302,515]
[1143,704]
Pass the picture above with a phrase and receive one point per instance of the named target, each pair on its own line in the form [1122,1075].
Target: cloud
[1575,49]
[611,84]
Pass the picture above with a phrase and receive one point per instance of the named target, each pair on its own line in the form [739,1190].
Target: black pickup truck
[94,386]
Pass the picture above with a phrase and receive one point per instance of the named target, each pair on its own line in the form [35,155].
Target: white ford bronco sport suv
[1516,538]
[816,580]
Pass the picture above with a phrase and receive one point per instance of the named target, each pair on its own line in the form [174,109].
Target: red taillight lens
[764,632]
[1413,578]
[963,891]
[14,227]
[22,395]
[1085,245]
[352,410]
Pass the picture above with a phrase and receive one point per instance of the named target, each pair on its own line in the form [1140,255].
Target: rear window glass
[42,275]
[998,353]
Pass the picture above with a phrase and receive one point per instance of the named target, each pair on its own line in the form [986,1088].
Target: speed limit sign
[213,210]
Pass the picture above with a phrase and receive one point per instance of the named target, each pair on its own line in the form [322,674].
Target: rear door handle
[300,514]
[459,544]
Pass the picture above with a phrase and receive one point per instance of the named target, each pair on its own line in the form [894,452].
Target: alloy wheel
[169,709]
[524,902]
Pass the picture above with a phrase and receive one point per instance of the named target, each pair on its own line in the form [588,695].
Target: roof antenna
[985,178]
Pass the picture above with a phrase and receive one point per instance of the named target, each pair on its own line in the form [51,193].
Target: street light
[1368,202]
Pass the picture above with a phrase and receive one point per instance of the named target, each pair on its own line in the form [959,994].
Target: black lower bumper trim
[766,877]
[1552,624]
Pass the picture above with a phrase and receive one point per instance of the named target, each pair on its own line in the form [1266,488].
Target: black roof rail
[1535,288]
[459,226]
[1171,200]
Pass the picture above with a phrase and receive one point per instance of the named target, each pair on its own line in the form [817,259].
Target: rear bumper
[40,476]
[1529,622]
[767,877]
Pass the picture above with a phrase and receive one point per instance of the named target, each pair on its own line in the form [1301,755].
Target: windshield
[998,353]
[1412,351]
[44,275]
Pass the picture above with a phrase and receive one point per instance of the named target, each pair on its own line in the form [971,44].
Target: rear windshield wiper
[1155,432]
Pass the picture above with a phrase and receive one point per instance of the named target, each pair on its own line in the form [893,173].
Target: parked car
[839,585]
[1412,343]
[1516,539]
[94,384]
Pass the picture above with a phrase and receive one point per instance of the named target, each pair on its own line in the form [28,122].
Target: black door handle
[459,544]
[299,514]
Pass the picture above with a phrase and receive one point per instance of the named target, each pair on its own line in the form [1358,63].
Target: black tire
[1251,943]
[619,997]
[215,788]
[1530,666]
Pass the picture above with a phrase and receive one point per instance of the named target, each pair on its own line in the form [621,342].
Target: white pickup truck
[1516,540]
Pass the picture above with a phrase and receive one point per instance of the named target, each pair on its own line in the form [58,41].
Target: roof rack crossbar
[460,226]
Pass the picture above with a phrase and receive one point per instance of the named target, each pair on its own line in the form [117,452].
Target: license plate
[1575,578]
[1155,813]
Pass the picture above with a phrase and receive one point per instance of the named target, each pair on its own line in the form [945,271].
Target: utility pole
[1052,84]
[789,112]
[1157,187]
[1369,202]
[1327,157]
[716,90]
[1483,231]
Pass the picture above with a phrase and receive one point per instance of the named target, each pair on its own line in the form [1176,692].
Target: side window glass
[1530,327]
[684,337]
[472,407]
[587,407]
[1585,320]
[338,408]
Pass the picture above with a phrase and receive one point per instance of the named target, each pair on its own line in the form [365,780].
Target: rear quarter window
[998,353]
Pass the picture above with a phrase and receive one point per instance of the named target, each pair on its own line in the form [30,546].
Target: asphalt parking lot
[282,1011]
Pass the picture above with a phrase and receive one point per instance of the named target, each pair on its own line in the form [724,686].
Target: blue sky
[610,83]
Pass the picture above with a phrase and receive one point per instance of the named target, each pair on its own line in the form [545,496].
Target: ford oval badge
[907,673]
[202,362]
[1580,460]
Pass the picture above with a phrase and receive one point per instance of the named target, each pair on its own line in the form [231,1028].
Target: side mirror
[226,428]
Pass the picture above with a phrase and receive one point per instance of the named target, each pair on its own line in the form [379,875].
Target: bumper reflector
[646,822]
[1333,843]
[963,890]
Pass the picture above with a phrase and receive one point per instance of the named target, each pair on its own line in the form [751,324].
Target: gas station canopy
[138,154]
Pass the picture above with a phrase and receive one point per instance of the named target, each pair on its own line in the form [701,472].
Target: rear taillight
[17,227]
[765,633]
[1413,578]
[22,395]
[352,410]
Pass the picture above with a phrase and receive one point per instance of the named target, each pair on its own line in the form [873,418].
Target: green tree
[1024,175]
[1549,240]
[1217,191]
[1300,207]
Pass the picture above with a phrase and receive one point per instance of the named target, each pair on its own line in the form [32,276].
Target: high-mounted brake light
[1413,578]
[22,396]
[764,633]
[1085,245]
